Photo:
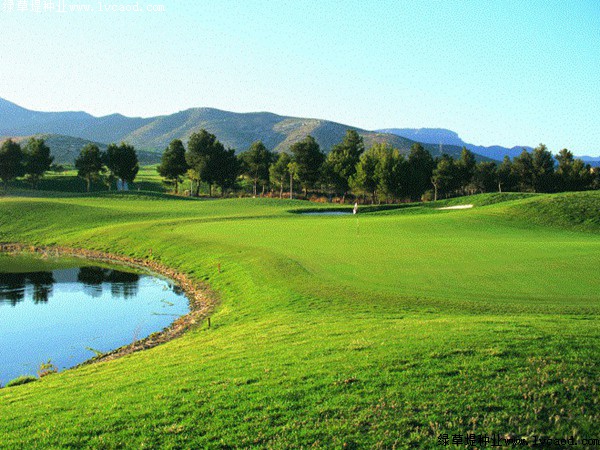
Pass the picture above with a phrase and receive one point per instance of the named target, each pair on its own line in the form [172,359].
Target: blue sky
[502,72]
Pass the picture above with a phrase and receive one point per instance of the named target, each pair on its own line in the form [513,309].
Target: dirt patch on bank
[201,299]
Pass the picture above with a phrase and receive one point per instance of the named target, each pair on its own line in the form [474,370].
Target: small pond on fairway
[68,310]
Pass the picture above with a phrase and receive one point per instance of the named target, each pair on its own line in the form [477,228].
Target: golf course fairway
[388,329]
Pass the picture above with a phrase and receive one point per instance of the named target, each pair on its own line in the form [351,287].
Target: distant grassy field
[147,180]
[384,330]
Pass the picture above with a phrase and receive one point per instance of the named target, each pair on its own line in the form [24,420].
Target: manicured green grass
[147,180]
[386,329]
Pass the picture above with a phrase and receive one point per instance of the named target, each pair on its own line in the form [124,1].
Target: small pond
[69,310]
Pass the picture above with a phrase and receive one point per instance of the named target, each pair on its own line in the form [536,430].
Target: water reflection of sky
[66,315]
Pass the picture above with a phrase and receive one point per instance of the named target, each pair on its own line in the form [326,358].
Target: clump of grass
[23,379]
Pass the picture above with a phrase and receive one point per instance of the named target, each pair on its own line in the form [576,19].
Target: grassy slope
[416,322]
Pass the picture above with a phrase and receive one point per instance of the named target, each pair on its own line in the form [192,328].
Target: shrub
[47,368]
[24,379]
[427,196]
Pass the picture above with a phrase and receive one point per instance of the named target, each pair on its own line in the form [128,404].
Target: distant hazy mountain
[449,137]
[18,121]
[235,130]
[594,162]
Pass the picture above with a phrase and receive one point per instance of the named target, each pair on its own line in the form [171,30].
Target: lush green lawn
[386,330]
[67,181]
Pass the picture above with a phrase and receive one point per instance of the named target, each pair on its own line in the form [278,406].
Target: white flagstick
[355,212]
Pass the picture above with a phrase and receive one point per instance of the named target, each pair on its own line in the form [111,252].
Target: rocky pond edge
[202,300]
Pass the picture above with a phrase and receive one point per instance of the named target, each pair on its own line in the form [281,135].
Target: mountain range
[448,137]
[67,132]
[72,129]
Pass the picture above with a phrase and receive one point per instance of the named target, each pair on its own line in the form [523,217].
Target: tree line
[117,164]
[380,173]
[32,161]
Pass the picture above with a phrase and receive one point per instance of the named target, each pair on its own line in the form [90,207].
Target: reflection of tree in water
[42,286]
[12,286]
[122,284]
[116,276]
[92,275]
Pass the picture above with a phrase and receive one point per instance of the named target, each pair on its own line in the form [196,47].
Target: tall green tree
[543,169]
[595,176]
[582,176]
[293,170]
[421,165]
[12,162]
[485,177]
[564,171]
[523,171]
[226,169]
[340,164]
[505,175]
[194,181]
[391,172]
[279,173]
[365,180]
[465,167]
[203,154]
[37,160]
[122,162]
[255,164]
[309,158]
[446,177]
[572,174]
[173,164]
[89,164]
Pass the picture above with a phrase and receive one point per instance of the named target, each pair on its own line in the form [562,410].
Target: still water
[70,313]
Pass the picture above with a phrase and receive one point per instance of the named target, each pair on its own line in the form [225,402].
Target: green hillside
[239,130]
[385,330]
